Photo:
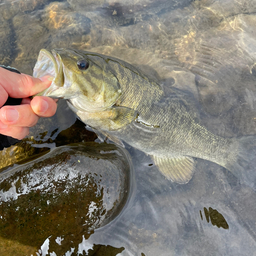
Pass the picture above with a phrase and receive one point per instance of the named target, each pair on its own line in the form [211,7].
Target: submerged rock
[67,194]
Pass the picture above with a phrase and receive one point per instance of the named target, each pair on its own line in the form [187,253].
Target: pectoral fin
[177,169]
[107,120]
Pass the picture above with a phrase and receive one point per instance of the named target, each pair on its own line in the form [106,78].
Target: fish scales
[121,102]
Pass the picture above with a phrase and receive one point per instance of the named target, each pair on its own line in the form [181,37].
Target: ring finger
[15,131]
[21,115]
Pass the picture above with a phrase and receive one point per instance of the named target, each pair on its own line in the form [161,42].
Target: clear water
[206,47]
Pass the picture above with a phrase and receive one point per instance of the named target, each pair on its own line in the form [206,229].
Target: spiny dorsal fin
[177,169]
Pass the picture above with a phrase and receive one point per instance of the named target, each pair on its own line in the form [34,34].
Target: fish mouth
[50,64]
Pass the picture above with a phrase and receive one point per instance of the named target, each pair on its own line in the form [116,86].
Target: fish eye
[82,64]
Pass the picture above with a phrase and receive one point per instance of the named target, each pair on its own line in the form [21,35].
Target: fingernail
[44,106]
[10,115]
[46,78]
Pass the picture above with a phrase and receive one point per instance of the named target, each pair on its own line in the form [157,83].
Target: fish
[118,100]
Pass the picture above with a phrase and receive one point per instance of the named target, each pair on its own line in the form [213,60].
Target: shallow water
[206,47]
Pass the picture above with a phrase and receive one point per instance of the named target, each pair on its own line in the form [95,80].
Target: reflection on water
[206,47]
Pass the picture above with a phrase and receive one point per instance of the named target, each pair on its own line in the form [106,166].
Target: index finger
[22,85]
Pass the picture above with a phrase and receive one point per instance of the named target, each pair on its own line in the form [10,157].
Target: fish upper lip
[60,81]
[57,61]
[59,67]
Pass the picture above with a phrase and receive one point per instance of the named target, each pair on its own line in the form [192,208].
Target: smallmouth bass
[121,102]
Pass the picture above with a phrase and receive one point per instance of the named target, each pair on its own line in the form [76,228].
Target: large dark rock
[67,193]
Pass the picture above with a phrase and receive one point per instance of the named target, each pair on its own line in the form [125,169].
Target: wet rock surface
[76,189]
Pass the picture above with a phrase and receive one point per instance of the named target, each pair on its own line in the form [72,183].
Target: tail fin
[243,162]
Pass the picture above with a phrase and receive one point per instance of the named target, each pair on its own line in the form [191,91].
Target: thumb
[22,85]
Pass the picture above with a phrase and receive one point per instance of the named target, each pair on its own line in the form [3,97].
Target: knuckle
[26,84]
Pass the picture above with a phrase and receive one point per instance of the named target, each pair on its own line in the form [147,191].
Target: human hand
[16,120]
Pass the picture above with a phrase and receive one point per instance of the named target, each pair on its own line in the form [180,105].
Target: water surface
[206,47]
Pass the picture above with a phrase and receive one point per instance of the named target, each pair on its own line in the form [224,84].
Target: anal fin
[177,169]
